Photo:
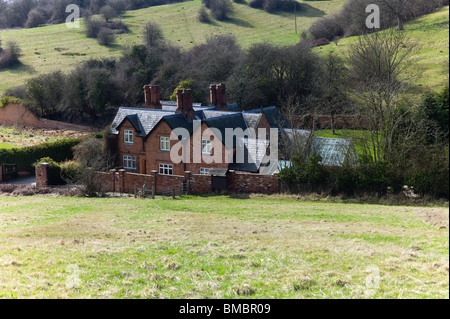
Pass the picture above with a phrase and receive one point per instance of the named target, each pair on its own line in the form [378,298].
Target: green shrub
[54,174]
[25,157]
[432,180]
[69,170]
[5,100]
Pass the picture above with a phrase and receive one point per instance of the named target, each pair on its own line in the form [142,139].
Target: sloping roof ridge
[126,108]
[259,109]
[225,115]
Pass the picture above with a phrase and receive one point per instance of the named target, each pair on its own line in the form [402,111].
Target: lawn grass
[55,47]
[7,146]
[219,247]
[430,34]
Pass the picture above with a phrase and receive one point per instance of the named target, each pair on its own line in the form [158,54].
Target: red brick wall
[136,149]
[166,182]
[200,184]
[154,155]
[252,183]
[124,182]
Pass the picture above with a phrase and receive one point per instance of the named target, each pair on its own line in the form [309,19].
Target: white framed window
[207,147]
[166,169]
[128,136]
[129,162]
[164,143]
[205,171]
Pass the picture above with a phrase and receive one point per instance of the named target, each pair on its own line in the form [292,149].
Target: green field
[220,247]
[56,47]
[430,34]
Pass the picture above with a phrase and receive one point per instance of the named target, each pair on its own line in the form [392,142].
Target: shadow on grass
[307,11]
[20,68]
[238,22]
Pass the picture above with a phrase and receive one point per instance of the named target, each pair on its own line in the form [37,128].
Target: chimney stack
[221,103]
[184,104]
[152,95]
[155,96]
[147,95]
[213,94]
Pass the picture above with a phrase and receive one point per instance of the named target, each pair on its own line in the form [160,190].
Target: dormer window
[164,143]
[128,137]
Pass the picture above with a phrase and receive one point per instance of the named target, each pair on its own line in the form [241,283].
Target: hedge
[25,157]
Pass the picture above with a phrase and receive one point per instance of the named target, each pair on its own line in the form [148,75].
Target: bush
[433,179]
[105,37]
[220,9]
[25,157]
[5,100]
[203,15]
[10,55]
[257,4]
[54,174]
[327,28]
[70,170]
[93,27]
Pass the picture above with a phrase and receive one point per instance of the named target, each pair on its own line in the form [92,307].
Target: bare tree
[333,97]
[153,35]
[378,66]
[92,159]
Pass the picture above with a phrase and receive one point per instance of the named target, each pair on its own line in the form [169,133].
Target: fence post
[187,178]
[135,190]
[144,189]
[153,192]
[173,193]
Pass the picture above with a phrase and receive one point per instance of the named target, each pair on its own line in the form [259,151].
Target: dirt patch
[436,217]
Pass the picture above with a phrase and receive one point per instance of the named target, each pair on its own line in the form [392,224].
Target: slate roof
[252,119]
[233,120]
[254,153]
[147,118]
[274,117]
[178,120]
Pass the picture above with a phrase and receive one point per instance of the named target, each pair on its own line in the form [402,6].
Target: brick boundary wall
[122,181]
[252,183]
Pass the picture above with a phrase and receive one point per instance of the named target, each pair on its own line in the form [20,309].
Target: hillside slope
[430,34]
[56,47]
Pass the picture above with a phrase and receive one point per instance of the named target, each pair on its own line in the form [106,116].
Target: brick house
[143,134]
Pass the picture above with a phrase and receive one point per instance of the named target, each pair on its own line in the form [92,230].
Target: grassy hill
[56,47]
[431,35]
